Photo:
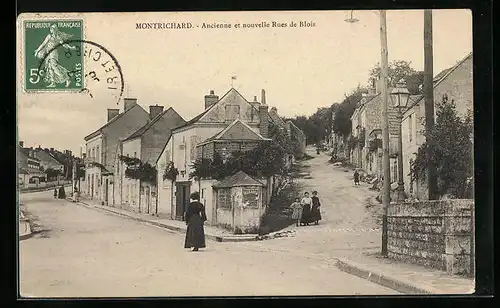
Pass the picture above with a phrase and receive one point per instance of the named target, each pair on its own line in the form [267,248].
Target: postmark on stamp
[51,62]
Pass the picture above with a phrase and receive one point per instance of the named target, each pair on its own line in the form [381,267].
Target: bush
[452,153]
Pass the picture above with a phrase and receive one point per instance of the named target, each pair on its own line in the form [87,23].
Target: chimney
[21,144]
[154,111]
[112,113]
[211,99]
[129,103]
[263,97]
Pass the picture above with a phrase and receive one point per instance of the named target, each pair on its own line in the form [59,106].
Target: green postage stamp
[53,55]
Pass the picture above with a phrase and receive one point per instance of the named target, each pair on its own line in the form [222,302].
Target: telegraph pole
[429,103]
[385,129]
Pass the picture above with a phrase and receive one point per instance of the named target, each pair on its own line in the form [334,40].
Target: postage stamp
[53,55]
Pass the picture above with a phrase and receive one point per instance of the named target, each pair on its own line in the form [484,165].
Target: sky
[301,68]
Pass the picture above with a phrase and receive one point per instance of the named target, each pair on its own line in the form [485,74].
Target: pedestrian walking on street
[55,193]
[62,193]
[77,194]
[315,210]
[195,217]
[356,177]
[306,209]
[297,211]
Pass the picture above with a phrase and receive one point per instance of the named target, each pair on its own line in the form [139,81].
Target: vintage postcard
[270,153]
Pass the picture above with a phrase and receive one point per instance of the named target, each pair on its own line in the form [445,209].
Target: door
[148,200]
[182,199]
[92,188]
[106,192]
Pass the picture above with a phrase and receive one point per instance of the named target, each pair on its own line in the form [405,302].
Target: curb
[216,238]
[398,284]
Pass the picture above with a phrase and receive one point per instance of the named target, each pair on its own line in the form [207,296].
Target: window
[135,154]
[411,177]
[232,112]
[98,157]
[410,127]
[93,154]
[167,155]
[395,171]
[194,142]
[224,198]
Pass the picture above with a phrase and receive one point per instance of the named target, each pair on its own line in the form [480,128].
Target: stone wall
[436,234]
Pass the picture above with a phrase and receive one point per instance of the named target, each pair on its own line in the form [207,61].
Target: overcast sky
[301,69]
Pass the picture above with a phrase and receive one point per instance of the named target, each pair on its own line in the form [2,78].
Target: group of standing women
[307,210]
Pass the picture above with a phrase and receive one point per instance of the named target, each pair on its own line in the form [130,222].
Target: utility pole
[385,129]
[429,103]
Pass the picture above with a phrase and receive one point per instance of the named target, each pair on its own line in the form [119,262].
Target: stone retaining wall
[436,234]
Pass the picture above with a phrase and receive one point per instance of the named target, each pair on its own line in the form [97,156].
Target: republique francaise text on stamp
[50,62]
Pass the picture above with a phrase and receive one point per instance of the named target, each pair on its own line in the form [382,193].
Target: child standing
[296,206]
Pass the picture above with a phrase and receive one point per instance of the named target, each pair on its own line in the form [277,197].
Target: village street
[347,227]
[84,252]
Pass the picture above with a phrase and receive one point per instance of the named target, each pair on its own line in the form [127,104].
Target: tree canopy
[398,70]
[452,153]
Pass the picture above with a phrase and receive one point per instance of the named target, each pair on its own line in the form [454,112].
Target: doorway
[106,192]
[182,194]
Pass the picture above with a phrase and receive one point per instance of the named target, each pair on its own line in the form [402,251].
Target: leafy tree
[398,70]
[342,121]
[52,173]
[452,151]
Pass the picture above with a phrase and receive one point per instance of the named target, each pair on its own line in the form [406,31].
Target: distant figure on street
[62,193]
[76,194]
[195,217]
[297,211]
[306,209]
[315,210]
[356,177]
[55,193]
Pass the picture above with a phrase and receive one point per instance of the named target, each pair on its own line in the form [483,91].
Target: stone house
[48,161]
[456,83]
[230,122]
[28,166]
[367,128]
[298,137]
[101,148]
[144,144]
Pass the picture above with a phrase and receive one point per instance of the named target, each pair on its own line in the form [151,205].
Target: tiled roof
[148,125]
[238,179]
[96,132]
[220,135]
[199,116]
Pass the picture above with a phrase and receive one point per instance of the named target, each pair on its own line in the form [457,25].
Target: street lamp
[400,96]
[384,70]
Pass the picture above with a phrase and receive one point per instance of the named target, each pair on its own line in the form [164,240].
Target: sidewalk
[403,277]
[211,232]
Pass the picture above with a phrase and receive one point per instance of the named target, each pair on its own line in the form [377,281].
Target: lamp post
[399,97]
[384,68]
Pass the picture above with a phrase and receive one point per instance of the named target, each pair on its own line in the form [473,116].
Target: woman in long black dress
[315,210]
[306,209]
[195,217]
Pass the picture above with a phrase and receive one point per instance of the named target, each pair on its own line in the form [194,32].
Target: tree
[452,153]
[398,70]
[342,121]
[52,173]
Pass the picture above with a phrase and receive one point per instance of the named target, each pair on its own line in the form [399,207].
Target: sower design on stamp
[51,62]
